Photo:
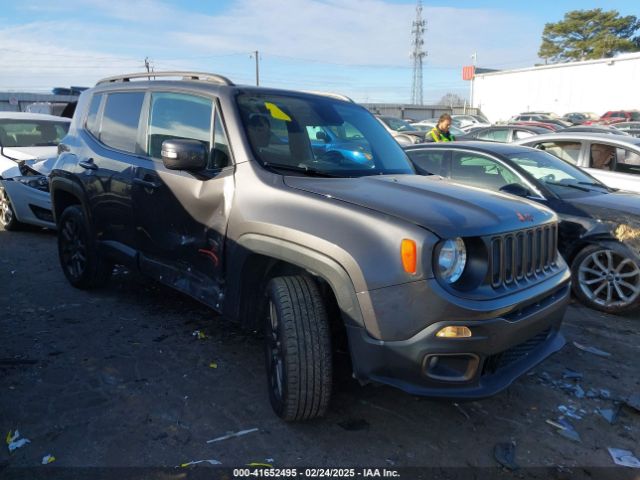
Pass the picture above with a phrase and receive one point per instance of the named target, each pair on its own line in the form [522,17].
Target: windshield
[559,176]
[398,124]
[31,133]
[318,135]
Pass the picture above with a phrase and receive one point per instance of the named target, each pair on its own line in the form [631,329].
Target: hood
[447,209]
[609,206]
[618,212]
[26,153]
[39,159]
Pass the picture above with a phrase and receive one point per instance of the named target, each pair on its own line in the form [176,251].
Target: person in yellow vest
[440,133]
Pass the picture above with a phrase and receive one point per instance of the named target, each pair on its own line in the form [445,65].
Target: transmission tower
[417,30]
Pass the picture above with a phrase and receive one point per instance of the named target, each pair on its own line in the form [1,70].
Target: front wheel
[298,348]
[607,278]
[81,262]
[8,218]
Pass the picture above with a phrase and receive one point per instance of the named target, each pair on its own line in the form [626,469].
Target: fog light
[454,332]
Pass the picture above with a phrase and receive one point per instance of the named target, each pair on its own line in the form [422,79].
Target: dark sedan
[505,133]
[599,233]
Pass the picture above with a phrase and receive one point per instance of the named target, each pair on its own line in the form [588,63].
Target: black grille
[521,255]
[493,363]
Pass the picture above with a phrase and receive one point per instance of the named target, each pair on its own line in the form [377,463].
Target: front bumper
[500,350]
[30,205]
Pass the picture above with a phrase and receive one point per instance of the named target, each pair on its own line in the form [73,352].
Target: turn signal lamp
[454,332]
[409,256]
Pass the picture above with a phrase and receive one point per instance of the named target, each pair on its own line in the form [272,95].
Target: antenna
[418,28]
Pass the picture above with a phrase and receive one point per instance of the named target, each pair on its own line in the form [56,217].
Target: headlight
[452,259]
[39,182]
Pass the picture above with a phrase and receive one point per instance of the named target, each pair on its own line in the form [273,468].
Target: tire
[80,260]
[297,348]
[8,218]
[607,278]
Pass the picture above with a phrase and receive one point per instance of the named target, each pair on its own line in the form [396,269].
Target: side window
[497,135]
[120,120]
[569,151]
[346,131]
[178,116]
[518,134]
[92,116]
[313,133]
[627,161]
[602,156]
[479,171]
[428,162]
[220,155]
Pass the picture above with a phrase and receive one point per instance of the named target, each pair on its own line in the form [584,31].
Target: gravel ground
[116,378]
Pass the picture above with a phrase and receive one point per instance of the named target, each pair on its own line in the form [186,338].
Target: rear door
[109,161]
[181,216]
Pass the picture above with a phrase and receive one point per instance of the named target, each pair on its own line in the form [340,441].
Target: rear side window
[178,116]
[120,120]
[569,151]
[92,116]
[428,162]
[518,134]
[496,135]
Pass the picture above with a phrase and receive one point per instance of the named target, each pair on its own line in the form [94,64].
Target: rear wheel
[607,278]
[81,262]
[8,218]
[298,348]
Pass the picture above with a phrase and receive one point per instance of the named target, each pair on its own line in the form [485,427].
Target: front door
[181,216]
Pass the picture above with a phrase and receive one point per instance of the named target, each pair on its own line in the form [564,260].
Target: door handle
[146,183]
[88,164]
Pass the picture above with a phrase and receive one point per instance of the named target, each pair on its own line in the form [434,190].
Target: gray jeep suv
[228,194]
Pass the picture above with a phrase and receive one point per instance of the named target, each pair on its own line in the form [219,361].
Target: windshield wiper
[306,170]
[569,185]
[599,185]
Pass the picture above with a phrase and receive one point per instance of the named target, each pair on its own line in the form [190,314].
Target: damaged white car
[28,149]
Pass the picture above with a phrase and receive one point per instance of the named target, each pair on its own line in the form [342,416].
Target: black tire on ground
[8,218]
[607,278]
[297,348]
[80,260]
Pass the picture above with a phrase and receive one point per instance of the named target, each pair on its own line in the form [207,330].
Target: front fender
[313,261]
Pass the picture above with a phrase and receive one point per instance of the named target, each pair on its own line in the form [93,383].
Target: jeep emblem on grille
[527,217]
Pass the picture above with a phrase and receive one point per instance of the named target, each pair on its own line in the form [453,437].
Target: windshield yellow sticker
[276,112]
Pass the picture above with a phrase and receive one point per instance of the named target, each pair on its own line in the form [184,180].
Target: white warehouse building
[588,86]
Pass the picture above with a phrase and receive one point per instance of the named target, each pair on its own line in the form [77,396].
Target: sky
[360,48]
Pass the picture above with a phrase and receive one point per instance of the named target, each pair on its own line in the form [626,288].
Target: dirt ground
[117,378]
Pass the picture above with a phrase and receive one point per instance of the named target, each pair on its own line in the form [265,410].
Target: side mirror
[322,136]
[184,154]
[516,189]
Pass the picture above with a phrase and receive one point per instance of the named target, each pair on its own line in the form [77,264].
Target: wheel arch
[259,258]
[65,192]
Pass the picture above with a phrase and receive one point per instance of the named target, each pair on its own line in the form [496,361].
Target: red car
[616,116]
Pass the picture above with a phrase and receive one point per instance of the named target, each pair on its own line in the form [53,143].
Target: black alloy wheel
[81,263]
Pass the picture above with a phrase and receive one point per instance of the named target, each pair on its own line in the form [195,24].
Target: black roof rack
[205,77]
